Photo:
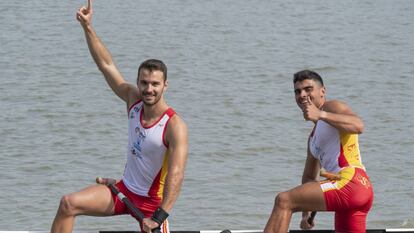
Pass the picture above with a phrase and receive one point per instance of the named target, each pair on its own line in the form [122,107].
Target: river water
[230,78]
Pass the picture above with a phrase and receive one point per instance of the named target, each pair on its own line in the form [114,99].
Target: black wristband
[159,215]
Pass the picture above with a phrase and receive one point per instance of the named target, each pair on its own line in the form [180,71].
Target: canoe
[394,230]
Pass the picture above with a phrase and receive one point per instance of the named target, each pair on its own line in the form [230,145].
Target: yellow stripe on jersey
[350,149]
[164,171]
[346,175]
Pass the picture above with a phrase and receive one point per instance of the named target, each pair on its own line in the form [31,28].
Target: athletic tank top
[333,149]
[146,165]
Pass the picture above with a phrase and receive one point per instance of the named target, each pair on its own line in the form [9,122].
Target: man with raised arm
[333,146]
[157,146]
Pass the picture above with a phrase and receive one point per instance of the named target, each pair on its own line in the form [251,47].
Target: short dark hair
[307,74]
[152,65]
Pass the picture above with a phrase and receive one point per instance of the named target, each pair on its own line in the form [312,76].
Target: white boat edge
[400,230]
[218,231]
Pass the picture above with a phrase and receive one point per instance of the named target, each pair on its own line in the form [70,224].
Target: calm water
[230,69]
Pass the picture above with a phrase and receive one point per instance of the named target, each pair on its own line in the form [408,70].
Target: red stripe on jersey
[342,162]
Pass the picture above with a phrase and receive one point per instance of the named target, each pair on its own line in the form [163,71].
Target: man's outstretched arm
[101,55]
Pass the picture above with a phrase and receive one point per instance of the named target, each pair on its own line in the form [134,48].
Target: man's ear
[323,91]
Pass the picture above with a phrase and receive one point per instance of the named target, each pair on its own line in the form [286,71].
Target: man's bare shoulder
[177,123]
[336,106]
[133,95]
[177,132]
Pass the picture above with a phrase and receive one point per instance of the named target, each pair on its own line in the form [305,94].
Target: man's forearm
[103,60]
[171,190]
[343,122]
[306,179]
[99,53]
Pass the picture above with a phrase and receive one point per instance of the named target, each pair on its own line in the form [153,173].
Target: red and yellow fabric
[351,195]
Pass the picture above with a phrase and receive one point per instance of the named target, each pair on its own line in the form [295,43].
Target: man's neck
[153,112]
[321,104]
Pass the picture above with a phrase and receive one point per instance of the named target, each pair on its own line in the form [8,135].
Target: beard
[151,102]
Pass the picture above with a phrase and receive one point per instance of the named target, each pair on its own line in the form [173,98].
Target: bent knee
[283,201]
[67,205]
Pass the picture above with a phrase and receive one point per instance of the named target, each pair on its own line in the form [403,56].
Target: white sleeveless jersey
[146,165]
[334,149]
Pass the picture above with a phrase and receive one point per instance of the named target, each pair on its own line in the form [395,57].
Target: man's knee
[283,201]
[67,205]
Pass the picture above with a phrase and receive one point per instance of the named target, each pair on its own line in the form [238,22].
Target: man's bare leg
[308,196]
[94,200]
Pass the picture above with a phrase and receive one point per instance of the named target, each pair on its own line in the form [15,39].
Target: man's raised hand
[84,14]
[310,111]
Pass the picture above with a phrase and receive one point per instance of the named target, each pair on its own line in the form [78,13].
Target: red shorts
[147,205]
[351,198]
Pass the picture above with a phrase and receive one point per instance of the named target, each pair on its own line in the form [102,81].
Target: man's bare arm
[102,56]
[178,152]
[340,116]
